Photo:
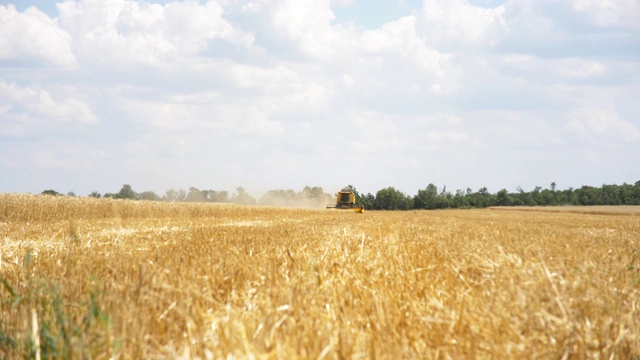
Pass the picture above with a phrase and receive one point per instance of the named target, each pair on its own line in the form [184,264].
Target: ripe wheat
[105,278]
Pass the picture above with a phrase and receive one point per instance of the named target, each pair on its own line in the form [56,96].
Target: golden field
[102,278]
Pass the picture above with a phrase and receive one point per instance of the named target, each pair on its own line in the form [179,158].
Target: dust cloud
[309,197]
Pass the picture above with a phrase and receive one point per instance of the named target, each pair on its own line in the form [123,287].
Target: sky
[282,94]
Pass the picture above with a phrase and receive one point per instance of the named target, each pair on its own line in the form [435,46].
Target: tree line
[433,198]
[392,199]
[308,197]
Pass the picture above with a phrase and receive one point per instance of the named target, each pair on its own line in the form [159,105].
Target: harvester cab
[346,199]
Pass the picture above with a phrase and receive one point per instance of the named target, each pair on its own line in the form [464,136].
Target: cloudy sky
[279,94]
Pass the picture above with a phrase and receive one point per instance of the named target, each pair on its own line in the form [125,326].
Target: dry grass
[123,279]
[601,210]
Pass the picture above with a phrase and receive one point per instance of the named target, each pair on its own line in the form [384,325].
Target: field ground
[102,278]
[602,210]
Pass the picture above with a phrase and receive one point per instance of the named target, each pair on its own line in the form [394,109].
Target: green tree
[175,195]
[426,198]
[626,195]
[149,196]
[610,195]
[460,200]
[196,195]
[51,192]
[126,193]
[95,194]
[535,196]
[242,197]
[520,198]
[547,198]
[445,199]
[588,195]
[391,199]
[565,197]
[636,193]
[367,201]
[503,198]
[218,196]
[313,196]
[481,199]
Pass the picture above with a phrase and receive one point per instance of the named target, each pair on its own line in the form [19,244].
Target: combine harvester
[346,199]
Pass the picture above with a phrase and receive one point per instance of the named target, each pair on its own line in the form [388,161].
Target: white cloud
[77,156]
[10,126]
[376,133]
[399,39]
[313,97]
[458,24]
[348,81]
[304,20]
[269,79]
[135,32]
[563,68]
[33,35]
[602,125]
[393,64]
[40,103]
[50,160]
[528,18]
[610,13]
[303,25]
[269,94]
[217,119]
[343,2]
[447,136]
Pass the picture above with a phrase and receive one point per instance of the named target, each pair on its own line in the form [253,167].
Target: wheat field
[102,278]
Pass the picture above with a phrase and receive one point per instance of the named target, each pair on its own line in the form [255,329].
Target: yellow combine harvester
[346,199]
